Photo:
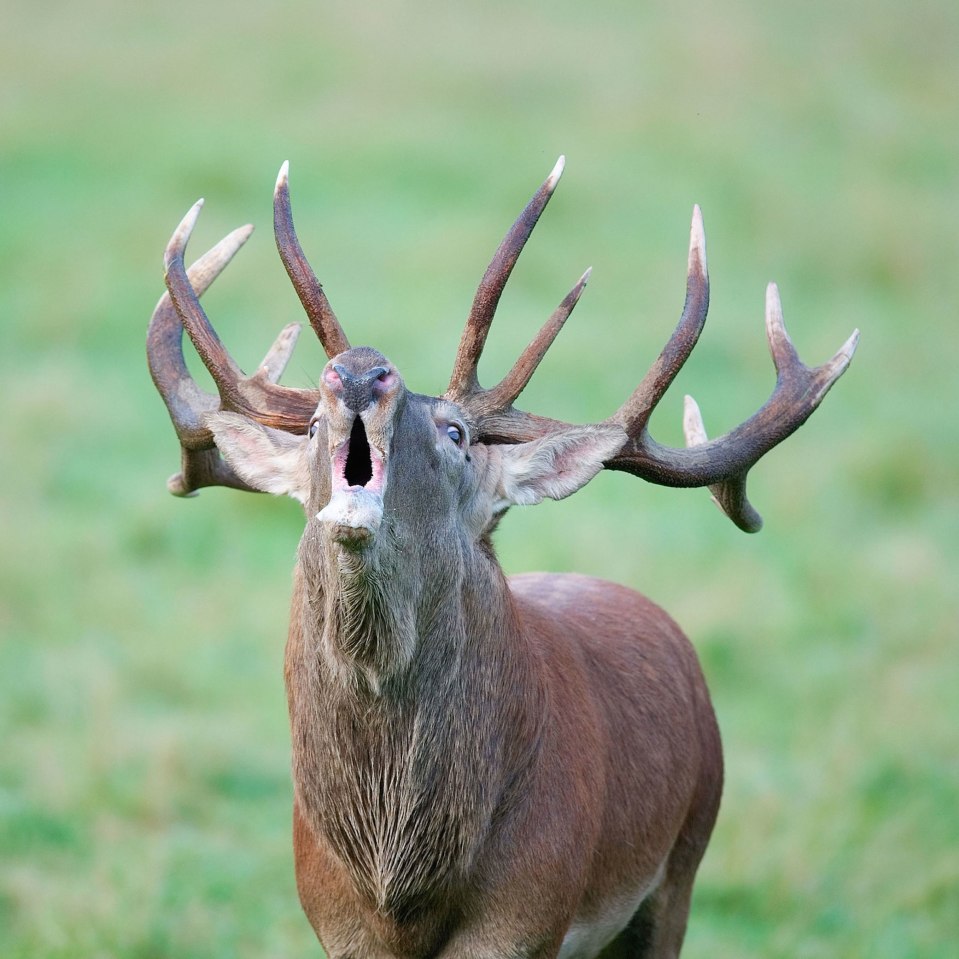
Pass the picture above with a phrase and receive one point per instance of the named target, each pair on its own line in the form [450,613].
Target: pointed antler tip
[283,176]
[556,173]
[584,279]
[236,238]
[177,485]
[781,346]
[849,347]
[697,242]
[840,362]
[694,429]
[194,212]
[181,235]
[774,306]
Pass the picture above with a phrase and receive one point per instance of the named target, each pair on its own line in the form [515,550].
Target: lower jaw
[352,517]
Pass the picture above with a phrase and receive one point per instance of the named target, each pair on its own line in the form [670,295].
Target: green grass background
[144,784]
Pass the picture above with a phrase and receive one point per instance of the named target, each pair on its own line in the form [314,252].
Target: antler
[493,409]
[307,286]
[257,396]
[720,464]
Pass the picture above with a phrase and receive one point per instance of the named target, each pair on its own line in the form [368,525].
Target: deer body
[483,768]
[522,785]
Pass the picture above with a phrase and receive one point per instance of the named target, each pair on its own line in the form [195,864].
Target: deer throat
[368,629]
[382,783]
[401,772]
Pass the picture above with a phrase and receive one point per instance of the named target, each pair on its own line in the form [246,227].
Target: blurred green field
[144,783]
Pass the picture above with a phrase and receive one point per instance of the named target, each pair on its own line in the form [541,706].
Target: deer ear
[558,464]
[269,460]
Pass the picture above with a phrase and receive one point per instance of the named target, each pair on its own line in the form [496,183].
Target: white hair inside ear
[270,460]
[556,465]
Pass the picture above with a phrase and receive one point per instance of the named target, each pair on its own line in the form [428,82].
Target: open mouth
[358,469]
[357,465]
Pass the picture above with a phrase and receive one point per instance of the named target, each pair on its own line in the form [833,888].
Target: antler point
[177,485]
[697,243]
[849,347]
[283,176]
[181,235]
[242,233]
[556,173]
[840,362]
[774,306]
[694,429]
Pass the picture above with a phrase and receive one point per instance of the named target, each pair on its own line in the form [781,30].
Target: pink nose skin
[358,390]
[333,381]
[383,382]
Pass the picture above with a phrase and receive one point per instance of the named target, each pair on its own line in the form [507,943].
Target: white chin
[353,515]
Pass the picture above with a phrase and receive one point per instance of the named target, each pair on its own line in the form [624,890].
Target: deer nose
[356,390]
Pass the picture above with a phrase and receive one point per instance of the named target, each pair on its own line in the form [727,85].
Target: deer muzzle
[360,388]
[358,468]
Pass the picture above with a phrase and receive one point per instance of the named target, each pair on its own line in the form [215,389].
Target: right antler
[720,464]
[258,396]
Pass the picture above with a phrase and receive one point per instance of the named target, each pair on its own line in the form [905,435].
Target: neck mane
[408,731]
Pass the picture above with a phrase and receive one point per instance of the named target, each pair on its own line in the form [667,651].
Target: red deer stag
[484,767]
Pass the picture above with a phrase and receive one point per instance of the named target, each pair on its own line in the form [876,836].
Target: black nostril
[356,389]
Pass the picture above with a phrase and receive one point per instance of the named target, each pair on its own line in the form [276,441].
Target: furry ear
[269,460]
[556,465]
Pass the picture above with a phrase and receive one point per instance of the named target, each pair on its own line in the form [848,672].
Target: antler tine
[634,414]
[257,396]
[215,357]
[187,403]
[307,286]
[729,495]
[185,400]
[505,393]
[279,354]
[463,381]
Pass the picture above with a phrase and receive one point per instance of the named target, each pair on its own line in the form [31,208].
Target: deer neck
[374,615]
[409,734]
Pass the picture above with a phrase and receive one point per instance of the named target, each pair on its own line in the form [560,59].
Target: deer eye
[314,426]
[455,433]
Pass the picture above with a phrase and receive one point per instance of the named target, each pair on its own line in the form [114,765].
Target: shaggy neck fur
[408,735]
